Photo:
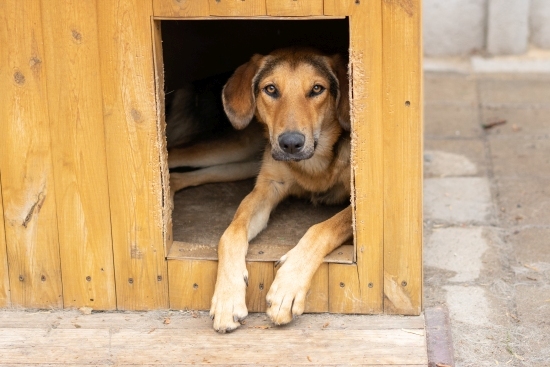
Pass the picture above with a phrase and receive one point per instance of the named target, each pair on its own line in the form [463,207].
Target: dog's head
[297,93]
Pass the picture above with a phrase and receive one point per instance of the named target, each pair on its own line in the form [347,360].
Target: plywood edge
[256,253]
[167,202]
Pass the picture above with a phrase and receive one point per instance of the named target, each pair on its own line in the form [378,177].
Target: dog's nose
[292,142]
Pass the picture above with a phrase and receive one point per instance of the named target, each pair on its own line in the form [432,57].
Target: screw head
[404,283]
[342,285]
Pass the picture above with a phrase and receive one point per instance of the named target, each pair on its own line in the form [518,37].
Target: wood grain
[25,160]
[294,8]
[4,276]
[78,148]
[364,282]
[237,8]
[402,106]
[145,321]
[260,277]
[339,7]
[185,338]
[133,153]
[191,284]
[317,299]
[180,8]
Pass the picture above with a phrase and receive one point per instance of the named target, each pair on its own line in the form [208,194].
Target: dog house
[85,205]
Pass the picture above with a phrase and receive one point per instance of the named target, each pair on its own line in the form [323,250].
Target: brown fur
[318,170]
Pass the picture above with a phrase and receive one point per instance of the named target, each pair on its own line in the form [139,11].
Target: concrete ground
[487,214]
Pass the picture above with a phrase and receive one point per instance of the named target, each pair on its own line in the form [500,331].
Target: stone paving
[487,214]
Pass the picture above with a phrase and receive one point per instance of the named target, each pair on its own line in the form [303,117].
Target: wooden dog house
[84,209]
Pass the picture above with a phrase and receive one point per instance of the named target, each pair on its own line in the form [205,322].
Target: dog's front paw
[287,296]
[228,303]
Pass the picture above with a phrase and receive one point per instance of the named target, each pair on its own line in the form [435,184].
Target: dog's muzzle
[292,147]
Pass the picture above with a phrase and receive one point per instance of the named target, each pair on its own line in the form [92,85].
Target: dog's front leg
[287,295]
[228,303]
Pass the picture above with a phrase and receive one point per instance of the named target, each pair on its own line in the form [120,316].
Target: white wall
[496,27]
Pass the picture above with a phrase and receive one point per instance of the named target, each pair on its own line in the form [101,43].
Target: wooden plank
[256,252]
[260,277]
[78,148]
[183,338]
[364,283]
[180,8]
[191,284]
[25,161]
[235,8]
[161,346]
[4,276]
[402,105]
[318,296]
[293,8]
[133,153]
[339,7]
[145,321]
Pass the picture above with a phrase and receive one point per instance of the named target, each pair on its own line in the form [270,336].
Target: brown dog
[301,97]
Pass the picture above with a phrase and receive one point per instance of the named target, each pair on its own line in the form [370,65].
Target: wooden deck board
[156,338]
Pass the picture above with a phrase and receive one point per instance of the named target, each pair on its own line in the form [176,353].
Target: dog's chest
[338,194]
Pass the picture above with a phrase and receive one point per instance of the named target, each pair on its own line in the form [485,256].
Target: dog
[299,97]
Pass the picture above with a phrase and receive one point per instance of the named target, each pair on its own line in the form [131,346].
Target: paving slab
[487,214]
[451,121]
[518,121]
[456,157]
[520,156]
[523,201]
[530,90]
[531,244]
[533,332]
[450,88]
[458,200]
[459,250]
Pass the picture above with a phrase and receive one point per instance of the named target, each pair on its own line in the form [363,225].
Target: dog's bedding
[201,215]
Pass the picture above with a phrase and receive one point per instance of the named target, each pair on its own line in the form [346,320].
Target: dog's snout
[292,142]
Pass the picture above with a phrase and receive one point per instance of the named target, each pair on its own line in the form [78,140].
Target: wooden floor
[172,338]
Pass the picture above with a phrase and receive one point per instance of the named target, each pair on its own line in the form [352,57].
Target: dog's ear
[239,102]
[340,68]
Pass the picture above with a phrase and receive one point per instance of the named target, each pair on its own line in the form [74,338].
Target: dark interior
[195,49]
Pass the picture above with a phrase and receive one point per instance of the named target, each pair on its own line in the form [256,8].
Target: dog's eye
[271,90]
[316,90]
